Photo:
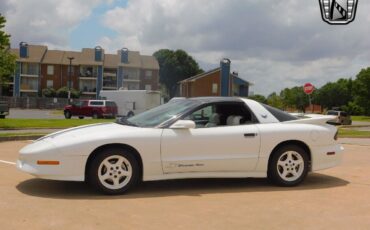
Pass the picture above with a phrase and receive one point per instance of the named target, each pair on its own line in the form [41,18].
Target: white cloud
[45,22]
[274,44]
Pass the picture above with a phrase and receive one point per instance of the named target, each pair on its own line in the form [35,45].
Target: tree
[174,67]
[335,94]
[259,98]
[275,100]
[294,98]
[361,90]
[7,60]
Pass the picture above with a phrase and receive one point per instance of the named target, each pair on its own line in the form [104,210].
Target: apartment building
[88,71]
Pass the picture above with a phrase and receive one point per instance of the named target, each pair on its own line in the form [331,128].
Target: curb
[20,138]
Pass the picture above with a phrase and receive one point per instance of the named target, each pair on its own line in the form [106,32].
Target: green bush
[49,92]
[63,93]
[353,109]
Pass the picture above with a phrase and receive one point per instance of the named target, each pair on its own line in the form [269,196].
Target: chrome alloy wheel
[290,166]
[115,172]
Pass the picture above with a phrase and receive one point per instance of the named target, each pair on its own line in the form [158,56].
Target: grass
[361,118]
[21,134]
[47,123]
[354,133]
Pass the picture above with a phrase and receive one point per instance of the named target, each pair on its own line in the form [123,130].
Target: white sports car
[188,138]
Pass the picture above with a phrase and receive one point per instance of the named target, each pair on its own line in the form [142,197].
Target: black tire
[295,173]
[67,114]
[2,116]
[96,168]
[130,114]
[81,117]
[95,115]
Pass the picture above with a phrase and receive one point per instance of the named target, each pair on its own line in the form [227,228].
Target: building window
[30,68]
[49,83]
[50,70]
[148,87]
[214,88]
[148,74]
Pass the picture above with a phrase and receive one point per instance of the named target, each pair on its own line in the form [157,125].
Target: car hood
[88,132]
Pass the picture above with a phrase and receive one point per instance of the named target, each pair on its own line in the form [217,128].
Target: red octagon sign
[308,88]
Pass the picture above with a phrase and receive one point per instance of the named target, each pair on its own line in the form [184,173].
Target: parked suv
[343,118]
[91,108]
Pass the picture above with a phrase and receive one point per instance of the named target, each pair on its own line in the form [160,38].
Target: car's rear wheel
[81,117]
[2,116]
[67,114]
[288,166]
[114,171]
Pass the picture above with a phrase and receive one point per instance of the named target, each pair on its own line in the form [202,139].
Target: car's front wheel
[288,166]
[114,171]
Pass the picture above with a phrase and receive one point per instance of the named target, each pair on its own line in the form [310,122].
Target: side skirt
[205,175]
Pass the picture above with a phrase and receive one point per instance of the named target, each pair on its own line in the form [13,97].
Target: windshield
[160,114]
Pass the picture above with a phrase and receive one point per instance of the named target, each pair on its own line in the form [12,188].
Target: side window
[222,114]
[202,116]
[96,103]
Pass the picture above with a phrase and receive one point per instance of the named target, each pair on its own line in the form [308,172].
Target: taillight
[336,136]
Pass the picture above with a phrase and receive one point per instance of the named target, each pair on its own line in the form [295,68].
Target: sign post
[308,88]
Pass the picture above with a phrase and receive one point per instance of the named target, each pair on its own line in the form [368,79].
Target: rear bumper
[324,157]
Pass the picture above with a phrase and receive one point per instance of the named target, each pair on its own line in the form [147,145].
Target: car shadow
[188,187]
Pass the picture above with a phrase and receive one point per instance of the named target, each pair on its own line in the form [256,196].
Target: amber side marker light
[48,162]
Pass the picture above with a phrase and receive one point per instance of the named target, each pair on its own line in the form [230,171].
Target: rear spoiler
[313,119]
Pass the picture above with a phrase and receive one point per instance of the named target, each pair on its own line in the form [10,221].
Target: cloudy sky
[273,44]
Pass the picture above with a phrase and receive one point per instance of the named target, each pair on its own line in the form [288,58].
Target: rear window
[110,104]
[332,113]
[278,114]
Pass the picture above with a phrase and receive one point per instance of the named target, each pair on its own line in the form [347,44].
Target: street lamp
[69,78]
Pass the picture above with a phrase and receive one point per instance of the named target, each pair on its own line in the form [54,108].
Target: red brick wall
[60,76]
[153,81]
[202,86]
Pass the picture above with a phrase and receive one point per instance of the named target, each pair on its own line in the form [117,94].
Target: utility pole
[69,78]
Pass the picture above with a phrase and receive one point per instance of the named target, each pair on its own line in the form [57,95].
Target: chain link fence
[35,102]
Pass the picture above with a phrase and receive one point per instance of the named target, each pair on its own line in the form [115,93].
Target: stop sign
[308,88]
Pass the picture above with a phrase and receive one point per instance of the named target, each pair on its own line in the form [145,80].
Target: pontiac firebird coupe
[187,138]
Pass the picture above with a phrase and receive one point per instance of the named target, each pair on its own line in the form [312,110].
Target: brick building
[216,82]
[91,70]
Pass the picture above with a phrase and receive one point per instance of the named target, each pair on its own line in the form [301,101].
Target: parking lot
[337,198]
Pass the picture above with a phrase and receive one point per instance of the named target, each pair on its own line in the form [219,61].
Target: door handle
[250,134]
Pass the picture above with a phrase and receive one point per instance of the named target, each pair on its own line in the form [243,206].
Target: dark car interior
[222,114]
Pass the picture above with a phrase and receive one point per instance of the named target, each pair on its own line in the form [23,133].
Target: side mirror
[183,124]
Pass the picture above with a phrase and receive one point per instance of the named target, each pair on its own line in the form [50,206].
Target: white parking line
[7,162]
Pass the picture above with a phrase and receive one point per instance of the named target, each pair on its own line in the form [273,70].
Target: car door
[222,148]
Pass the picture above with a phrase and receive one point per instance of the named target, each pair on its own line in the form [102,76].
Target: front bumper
[70,167]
